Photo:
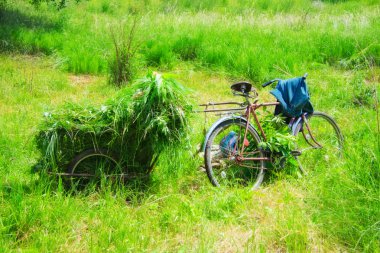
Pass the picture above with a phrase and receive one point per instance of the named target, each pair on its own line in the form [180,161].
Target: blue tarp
[293,96]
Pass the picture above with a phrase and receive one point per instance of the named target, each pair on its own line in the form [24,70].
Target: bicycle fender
[213,127]
[293,127]
[298,121]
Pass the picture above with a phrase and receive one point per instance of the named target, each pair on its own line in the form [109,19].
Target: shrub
[122,64]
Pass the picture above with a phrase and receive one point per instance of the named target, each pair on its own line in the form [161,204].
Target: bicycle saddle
[243,87]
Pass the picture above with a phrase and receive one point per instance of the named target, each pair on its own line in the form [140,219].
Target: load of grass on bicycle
[128,132]
[280,142]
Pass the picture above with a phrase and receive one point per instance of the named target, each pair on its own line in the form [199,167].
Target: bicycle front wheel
[226,164]
[322,145]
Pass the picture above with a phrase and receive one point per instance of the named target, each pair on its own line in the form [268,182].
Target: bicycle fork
[316,144]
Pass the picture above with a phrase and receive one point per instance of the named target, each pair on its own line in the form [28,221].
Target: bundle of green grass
[137,124]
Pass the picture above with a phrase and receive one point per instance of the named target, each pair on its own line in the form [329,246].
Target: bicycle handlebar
[275,80]
[270,82]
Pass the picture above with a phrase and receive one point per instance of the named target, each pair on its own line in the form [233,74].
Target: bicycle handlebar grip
[267,83]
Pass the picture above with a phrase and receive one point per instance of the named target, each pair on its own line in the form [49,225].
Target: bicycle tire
[92,164]
[327,133]
[222,167]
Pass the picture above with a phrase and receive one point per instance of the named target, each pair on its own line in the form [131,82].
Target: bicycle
[232,151]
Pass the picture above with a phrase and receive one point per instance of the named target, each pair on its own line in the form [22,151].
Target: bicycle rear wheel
[325,149]
[223,149]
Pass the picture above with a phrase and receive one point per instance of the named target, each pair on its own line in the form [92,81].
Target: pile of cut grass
[137,124]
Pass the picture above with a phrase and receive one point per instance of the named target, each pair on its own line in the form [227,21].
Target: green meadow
[49,57]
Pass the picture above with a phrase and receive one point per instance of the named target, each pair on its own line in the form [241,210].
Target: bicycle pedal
[296,153]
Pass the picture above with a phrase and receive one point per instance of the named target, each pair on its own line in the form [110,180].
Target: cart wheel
[91,165]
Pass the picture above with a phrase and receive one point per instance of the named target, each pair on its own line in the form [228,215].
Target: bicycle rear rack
[241,107]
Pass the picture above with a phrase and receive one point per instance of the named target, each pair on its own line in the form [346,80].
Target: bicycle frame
[250,110]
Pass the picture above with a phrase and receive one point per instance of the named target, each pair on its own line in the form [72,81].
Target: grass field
[49,57]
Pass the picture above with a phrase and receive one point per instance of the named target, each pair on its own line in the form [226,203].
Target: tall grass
[257,48]
[345,197]
[254,44]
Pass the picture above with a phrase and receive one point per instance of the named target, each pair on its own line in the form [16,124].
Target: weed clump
[363,94]
[138,124]
[122,65]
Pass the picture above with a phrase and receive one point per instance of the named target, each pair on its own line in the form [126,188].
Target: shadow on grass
[134,190]
[14,19]
[21,32]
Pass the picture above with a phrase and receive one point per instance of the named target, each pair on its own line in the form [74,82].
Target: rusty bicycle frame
[250,109]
